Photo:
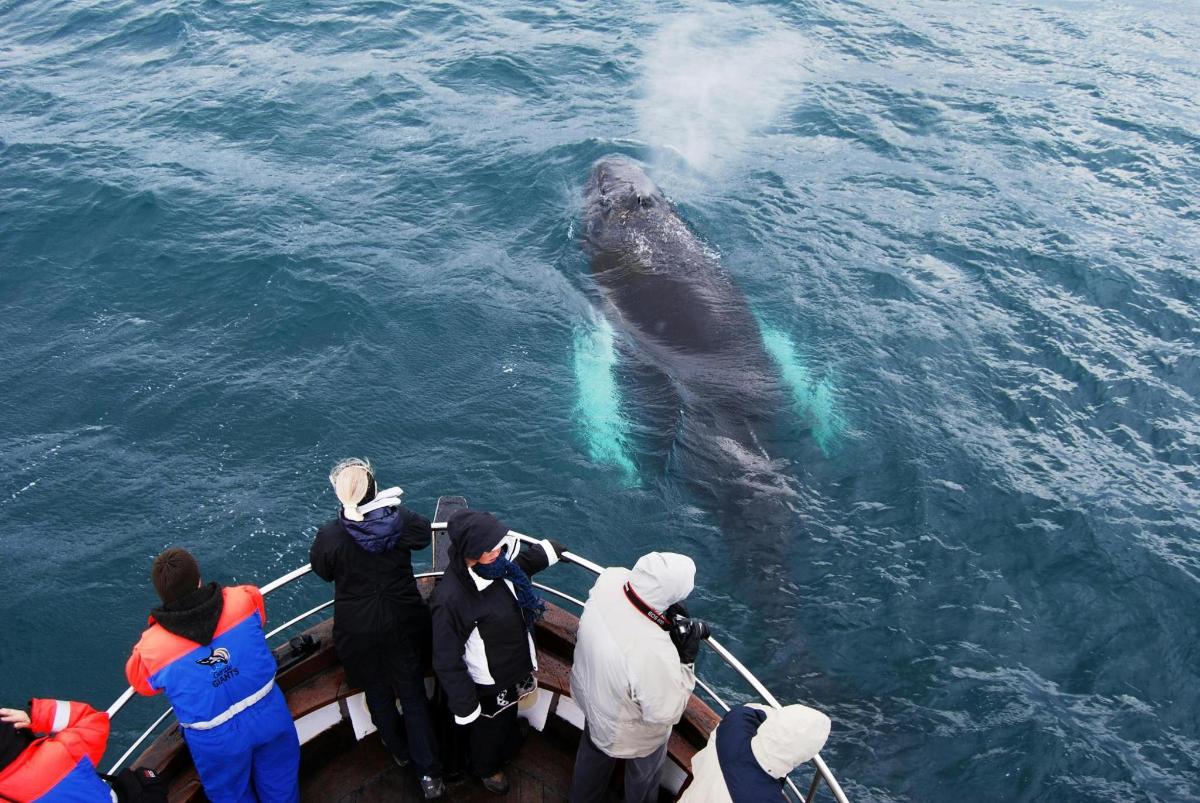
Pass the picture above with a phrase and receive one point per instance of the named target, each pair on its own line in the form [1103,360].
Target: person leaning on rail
[752,750]
[483,651]
[381,625]
[61,765]
[206,649]
[633,673]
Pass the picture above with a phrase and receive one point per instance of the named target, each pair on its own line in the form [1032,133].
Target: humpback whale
[670,296]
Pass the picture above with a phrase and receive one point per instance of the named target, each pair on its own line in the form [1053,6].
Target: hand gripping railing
[822,771]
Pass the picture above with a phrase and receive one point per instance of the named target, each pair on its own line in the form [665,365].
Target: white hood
[626,675]
[789,737]
[663,578]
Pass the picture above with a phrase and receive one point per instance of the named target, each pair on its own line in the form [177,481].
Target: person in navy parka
[752,750]
[206,649]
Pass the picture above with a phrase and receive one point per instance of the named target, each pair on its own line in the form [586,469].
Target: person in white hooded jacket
[630,676]
[750,753]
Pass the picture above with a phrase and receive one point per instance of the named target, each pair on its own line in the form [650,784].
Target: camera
[684,624]
[686,633]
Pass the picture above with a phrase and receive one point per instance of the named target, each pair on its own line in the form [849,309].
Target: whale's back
[669,292]
[667,287]
[669,306]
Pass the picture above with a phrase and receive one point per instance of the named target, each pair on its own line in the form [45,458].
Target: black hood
[195,616]
[472,532]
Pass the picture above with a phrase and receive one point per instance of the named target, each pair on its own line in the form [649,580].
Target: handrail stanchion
[827,776]
[812,788]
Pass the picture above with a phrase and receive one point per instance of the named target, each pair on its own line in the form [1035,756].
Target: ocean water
[241,240]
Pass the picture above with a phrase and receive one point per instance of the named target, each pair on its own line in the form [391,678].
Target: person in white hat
[752,750]
[381,625]
[633,673]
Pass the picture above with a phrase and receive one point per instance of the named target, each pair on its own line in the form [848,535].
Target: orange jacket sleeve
[258,603]
[138,675]
[79,728]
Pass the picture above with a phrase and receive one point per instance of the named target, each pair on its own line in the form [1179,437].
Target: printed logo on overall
[218,659]
[218,656]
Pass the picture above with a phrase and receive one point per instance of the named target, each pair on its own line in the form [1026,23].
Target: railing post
[812,788]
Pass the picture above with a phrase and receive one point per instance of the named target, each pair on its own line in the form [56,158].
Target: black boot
[432,787]
[496,783]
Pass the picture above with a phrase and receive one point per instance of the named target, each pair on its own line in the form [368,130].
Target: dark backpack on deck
[138,785]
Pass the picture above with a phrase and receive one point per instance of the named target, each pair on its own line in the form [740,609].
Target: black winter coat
[380,621]
[480,636]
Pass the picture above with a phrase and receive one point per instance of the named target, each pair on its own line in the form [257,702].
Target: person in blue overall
[206,649]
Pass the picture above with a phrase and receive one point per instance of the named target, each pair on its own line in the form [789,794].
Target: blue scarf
[532,606]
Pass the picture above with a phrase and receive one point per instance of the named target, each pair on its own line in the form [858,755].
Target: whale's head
[617,192]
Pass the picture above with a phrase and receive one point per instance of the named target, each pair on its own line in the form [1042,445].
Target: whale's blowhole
[617,185]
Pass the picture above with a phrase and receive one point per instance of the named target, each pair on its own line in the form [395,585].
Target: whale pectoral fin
[603,426]
[828,423]
[813,399]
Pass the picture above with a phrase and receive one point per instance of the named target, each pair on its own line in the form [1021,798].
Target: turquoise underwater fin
[605,430]
[813,399]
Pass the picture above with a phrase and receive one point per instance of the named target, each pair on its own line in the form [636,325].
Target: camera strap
[650,613]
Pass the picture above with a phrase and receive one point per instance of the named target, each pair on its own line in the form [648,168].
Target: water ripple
[240,240]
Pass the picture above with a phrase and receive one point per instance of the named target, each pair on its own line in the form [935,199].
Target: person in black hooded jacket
[483,651]
[381,625]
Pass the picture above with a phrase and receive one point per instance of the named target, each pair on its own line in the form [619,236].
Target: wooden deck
[336,769]
[364,773]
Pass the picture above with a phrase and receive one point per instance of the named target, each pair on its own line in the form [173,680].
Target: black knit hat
[175,574]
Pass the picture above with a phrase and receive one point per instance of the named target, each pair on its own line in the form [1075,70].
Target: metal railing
[821,770]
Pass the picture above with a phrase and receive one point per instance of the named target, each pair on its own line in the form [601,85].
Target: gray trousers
[593,768]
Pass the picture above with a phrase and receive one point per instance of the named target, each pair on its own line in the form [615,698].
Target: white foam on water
[813,398]
[713,77]
[604,428]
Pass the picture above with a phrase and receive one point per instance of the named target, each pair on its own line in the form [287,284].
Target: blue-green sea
[241,240]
